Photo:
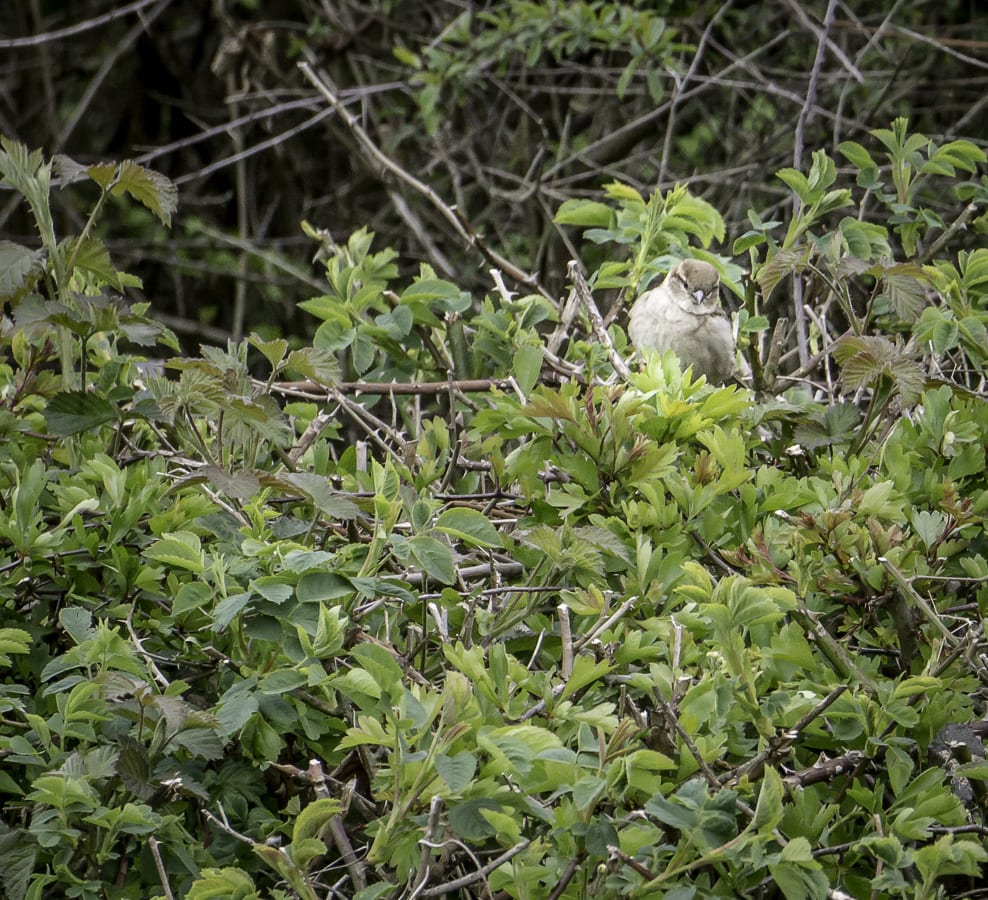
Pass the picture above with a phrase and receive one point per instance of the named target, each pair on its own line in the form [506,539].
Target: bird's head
[696,286]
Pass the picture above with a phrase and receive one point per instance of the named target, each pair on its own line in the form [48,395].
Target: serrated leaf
[310,822]
[13,640]
[273,351]
[72,412]
[229,883]
[905,288]
[315,488]
[90,256]
[783,263]
[241,485]
[865,359]
[945,335]
[158,193]
[315,363]
[20,856]
[17,266]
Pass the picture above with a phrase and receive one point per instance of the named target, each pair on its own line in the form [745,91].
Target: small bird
[683,314]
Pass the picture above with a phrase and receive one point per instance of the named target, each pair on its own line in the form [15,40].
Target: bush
[444,603]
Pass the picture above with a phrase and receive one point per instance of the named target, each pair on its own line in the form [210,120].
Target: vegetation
[435,597]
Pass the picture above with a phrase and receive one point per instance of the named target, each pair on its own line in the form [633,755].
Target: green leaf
[229,608]
[527,367]
[797,874]
[72,412]
[797,182]
[470,526]
[783,263]
[315,363]
[282,681]
[272,588]
[319,587]
[274,350]
[857,155]
[91,257]
[229,883]
[747,240]
[588,213]
[154,190]
[317,489]
[434,557]
[585,672]
[13,640]
[18,265]
[768,811]
[457,771]
[950,855]
[466,819]
[182,549]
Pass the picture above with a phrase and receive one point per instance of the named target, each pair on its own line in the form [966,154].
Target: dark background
[510,110]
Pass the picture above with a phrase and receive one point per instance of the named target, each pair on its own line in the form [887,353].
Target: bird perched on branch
[683,314]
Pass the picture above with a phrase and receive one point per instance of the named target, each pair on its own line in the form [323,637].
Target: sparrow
[683,314]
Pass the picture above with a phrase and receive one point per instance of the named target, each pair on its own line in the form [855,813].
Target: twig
[421,233]
[631,862]
[604,625]
[224,825]
[924,607]
[566,638]
[324,84]
[797,157]
[48,37]
[353,863]
[955,226]
[826,770]
[566,877]
[835,654]
[681,83]
[153,845]
[275,141]
[308,437]
[458,883]
[421,877]
[823,35]
[672,719]
[596,320]
[780,743]
[106,66]
[377,429]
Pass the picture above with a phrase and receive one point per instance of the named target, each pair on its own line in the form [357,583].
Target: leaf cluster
[442,602]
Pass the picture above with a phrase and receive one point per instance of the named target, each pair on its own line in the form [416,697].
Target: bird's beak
[699,296]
